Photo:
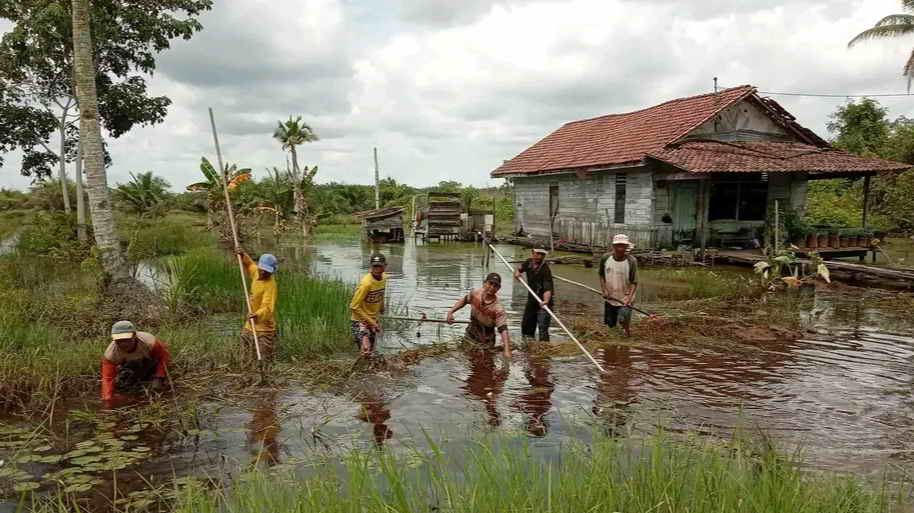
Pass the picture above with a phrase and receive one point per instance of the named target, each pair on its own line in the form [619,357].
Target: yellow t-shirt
[263,299]
[368,299]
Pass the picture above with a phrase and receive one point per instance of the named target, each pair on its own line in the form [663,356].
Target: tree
[860,127]
[215,197]
[36,68]
[144,192]
[892,26]
[292,134]
[113,263]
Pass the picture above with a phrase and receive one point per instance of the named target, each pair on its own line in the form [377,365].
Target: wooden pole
[548,310]
[777,226]
[421,319]
[377,182]
[231,216]
[866,199]
[607,299]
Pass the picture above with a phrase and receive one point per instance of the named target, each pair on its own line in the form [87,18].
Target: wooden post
[702,216]
[377,182]
[866,199]
[777,226]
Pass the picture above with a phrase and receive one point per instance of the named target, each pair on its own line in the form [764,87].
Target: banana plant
[213,184]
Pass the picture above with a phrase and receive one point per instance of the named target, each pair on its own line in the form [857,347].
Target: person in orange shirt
[132,357]
[263,305]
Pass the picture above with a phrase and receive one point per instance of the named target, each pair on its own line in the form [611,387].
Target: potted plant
[833,241]
[842,239]
[812,238]
[798,234]
[822,238]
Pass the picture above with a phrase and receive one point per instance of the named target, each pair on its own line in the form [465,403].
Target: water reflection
[485,381]
[263,430]
[616,394]
[374,410]
[535,402]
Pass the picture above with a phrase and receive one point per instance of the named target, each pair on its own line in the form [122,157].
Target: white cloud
[448,94]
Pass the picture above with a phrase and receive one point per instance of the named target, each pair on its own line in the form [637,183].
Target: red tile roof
[621,138]
[705,156]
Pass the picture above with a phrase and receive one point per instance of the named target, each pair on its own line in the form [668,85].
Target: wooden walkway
[845,270]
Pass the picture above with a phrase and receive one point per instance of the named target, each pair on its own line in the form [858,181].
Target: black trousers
[535,318]
[131,375]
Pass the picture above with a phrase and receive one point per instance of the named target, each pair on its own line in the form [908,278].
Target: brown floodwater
[842,393]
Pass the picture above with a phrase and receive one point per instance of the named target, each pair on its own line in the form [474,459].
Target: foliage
[861,127]
[52,235]
[11,199]
[892,26]
[212,186]
[36,62]
[505,475]
[785,262]
[145,194]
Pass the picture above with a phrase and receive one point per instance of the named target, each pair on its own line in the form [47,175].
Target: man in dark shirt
[539,278]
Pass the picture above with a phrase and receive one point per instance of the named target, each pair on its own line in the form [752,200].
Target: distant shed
[383,224]
[443,219]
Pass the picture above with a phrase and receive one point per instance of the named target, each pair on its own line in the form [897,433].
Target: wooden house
[443,219]
[383,224]
[676,173]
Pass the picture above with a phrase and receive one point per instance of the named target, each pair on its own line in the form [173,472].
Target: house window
[621,180]
[738,201]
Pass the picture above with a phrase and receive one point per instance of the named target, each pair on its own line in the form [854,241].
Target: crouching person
[132,358]
[487,315]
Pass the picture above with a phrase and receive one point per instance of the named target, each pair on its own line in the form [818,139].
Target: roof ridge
[674,100]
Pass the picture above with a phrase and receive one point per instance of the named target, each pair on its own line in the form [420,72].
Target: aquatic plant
[501,475]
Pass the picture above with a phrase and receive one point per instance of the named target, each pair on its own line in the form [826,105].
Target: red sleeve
[160,352]
[109,371]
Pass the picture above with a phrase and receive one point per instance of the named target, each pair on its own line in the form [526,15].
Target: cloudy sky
[447,89]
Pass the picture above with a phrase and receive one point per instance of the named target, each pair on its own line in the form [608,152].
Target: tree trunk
[297,194]
[113,263]
[62,170]
[81,231]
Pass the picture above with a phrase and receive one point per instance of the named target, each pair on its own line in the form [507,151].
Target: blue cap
[267,262]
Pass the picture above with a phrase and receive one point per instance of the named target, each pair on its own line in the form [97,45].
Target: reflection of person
[539,278]
[619,280]
[132,357]
[263,305]
[367,303]
[485,382]
[536,402]
[374,411]
[264,430]
[487,315]
[614,393]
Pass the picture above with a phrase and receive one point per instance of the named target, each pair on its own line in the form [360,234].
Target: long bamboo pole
[548,310]
[422,319]
[231,216]
[607,299]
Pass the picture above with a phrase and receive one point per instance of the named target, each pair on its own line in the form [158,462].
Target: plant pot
[822,239]
[799,241]
[880,235]
[812,241]
[859,241]
[842,241]
[833,241]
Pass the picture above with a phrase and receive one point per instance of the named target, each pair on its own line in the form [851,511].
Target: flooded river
[843,392]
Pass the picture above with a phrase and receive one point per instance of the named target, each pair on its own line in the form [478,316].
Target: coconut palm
[144,192]
[215,197]
[292,134]
[114,264]
[892,26]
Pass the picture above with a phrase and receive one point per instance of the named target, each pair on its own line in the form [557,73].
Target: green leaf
[25,487]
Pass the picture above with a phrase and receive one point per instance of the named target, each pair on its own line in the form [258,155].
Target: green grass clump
[337,231]
[704,283]
[174,234]
[313,315]
[504,476]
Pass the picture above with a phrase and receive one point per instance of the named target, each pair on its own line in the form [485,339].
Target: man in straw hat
[619,281]
[539,278]
[487,315]
[132,357]
[264,292]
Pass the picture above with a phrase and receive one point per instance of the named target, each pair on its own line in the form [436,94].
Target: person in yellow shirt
[367,304]
[263,305]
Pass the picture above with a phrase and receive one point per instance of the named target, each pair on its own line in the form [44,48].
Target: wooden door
[684,210]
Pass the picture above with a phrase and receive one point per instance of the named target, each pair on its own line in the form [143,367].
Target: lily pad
[77,488]
[51,458]
[26,486]
[85,460]
[85,444]
[129,437]
[141,449]
[43,448]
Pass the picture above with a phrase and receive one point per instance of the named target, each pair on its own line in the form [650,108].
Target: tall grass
[174,234]
[704,283]
[503,476]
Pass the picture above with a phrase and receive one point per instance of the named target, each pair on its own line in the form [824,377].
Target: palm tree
[892,26]
[144,192]
[114,264]
[213,186]
[291,134]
